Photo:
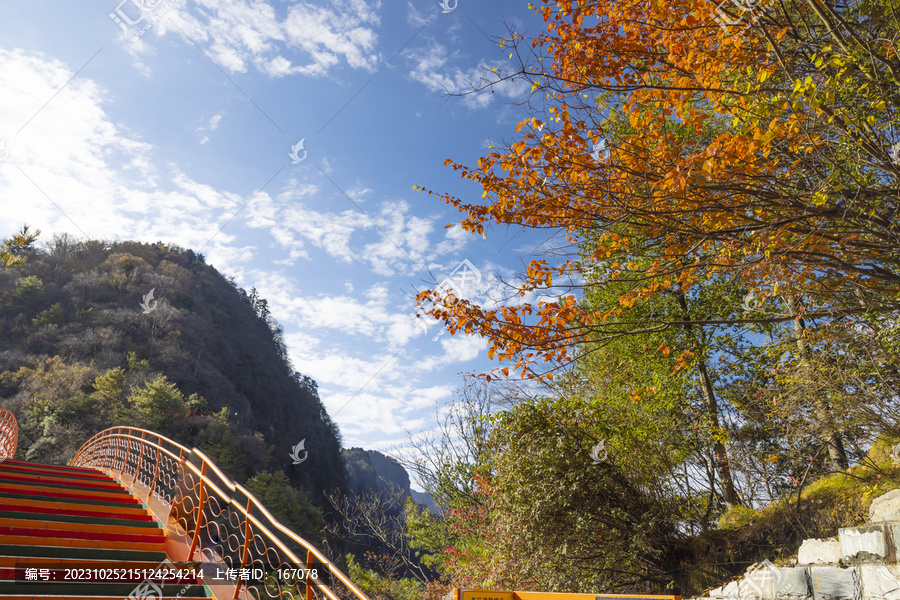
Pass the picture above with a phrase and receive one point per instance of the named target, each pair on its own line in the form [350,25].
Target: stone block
[791,583]
[868,543]
[819,552]
[834,583]
[759,582]
[885,507]
[892,531]
[765,581]
[880,582]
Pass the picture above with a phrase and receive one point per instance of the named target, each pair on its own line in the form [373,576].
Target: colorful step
[56,522]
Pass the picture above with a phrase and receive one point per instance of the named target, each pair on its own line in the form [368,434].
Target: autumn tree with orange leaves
[720,173]
[760,153]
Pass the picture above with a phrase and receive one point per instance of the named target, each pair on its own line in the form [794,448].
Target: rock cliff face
[861,563]
[391,475]
[372,471]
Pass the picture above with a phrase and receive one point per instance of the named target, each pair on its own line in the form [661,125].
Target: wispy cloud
[211,125]
[434,68]
[309,40]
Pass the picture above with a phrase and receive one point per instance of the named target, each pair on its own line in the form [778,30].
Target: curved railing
[218,519]
[9,434]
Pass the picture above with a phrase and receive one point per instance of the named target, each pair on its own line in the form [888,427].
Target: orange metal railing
[222,521]
[9,434]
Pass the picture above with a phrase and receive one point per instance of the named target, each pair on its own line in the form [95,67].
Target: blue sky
[180,127]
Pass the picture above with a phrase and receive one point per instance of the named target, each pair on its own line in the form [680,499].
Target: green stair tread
[85,553]
[69,501]
[121,590]
[28,516]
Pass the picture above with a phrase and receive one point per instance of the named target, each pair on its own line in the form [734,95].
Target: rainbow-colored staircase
[132,501]
[63,526]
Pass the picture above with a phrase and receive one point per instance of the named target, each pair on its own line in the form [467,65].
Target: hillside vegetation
[203,363]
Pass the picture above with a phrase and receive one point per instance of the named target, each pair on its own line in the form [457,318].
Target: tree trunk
[722,464]
[828,429]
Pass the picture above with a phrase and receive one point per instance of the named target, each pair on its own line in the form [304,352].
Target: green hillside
[202,361]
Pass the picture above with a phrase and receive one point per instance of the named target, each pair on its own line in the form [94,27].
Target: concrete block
[834,583]
[864,544]
[880,582]
[759,582]
[791,583]
[716,593]
[819,552]
[885,507]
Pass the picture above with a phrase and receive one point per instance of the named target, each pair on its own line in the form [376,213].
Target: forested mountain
[95,334]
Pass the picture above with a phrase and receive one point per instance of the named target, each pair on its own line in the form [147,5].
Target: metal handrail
[223,520]
[9,434]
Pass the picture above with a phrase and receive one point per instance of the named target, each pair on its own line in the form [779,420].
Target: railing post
[309,564]
[140,458]
[155,472]
[202,501]
[246,550]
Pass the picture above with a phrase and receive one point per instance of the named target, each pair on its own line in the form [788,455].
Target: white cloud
[390,409]
[462,348]
[310,40]
[330,34]
[387,238]
[433,70]
[72,170]
[455,239]
[414,17]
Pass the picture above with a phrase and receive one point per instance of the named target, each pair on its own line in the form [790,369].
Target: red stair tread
[97,477]
[124,499]
[153,535]
[104,512]
[61,468]
[85,483]
[26,521]
[37,541]
[20,486]
[94,510]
